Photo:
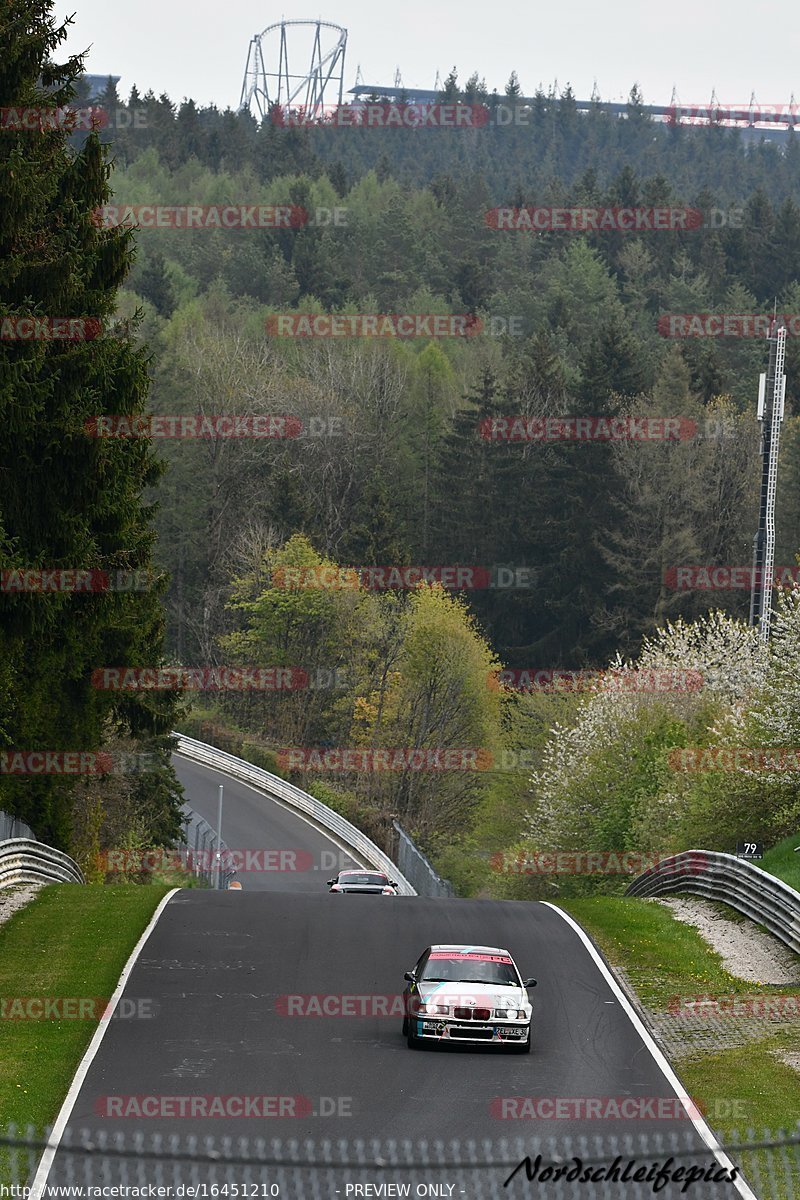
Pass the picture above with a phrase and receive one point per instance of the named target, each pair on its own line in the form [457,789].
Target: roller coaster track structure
[271,75]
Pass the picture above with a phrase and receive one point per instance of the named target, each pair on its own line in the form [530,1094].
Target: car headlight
[431,1009]
[513,1014]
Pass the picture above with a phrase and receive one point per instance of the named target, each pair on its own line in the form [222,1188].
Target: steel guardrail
[13,827]
[281,789]
[416,867]
[734,881]
[24,860]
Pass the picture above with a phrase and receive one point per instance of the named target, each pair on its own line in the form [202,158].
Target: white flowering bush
[758,797]
[775,712]
[607,781]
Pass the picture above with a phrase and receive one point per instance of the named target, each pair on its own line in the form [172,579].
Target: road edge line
[658,1055]
[60,1124]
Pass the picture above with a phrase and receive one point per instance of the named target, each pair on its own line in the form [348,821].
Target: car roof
[467,949]
[363,871]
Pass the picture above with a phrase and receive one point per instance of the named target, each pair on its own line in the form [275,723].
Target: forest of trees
[405,477]
[391,467]
[598,525]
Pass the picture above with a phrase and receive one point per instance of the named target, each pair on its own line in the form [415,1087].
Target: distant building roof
[97,83]
[748,123]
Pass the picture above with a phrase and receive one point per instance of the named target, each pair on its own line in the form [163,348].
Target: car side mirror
[329,882]
[529,983]
[410,976]
[392,883]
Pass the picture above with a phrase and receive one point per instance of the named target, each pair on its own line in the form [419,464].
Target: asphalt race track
[219,966]
[252,822]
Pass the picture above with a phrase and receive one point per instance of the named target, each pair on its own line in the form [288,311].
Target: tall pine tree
[67,500]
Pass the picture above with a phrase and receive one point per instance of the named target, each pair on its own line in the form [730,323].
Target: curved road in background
[220,966]
[298,857]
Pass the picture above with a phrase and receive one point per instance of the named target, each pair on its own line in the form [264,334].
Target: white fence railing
[273,785]
[23,860]
[734,881]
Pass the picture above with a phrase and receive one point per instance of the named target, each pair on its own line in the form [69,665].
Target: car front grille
[472,1014]
[474,1033]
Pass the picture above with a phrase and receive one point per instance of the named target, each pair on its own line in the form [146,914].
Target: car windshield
[470,968]
[361,880]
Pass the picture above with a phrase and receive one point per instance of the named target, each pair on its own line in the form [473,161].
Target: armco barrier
[273,785]
[731,880]
[23,860]
[12,827]
[415,866]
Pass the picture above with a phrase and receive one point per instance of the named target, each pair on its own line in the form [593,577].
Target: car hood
[462,994]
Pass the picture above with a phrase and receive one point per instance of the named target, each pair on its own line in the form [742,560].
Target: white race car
[472,994]
[373,883]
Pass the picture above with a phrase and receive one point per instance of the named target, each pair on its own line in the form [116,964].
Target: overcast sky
[199,49]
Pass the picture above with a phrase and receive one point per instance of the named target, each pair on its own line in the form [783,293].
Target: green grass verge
[750,1088]
[742,1090]
[69,942]
[782,861]
[662,957]
[745,1087]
